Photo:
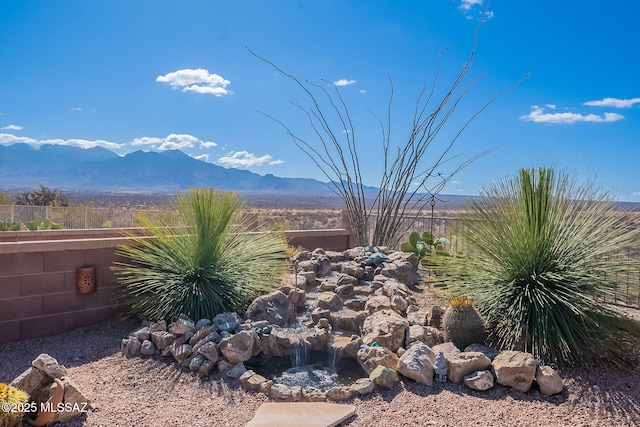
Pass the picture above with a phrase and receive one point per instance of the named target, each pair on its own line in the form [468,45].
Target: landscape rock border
[366,294]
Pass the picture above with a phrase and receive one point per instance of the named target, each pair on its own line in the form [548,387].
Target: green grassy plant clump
[542,256]
[200,260]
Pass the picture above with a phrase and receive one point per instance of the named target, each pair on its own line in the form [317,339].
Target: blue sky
[156,75]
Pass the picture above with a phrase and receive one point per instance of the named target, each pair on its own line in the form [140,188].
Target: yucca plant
[200,260]
[542,259]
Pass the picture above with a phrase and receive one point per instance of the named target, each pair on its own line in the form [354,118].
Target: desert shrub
[198,260]
[43,196]
[542,256]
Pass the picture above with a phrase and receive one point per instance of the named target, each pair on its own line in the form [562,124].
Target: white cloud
[637,194]
[552,106]
[468,4]
[203,157]
[7,138]
[362,91]
[76,109]
[455,182]
[198,81]
[614,102]
[244,159]
[12,127]
[538,115]
[173,142]
[82,143]
[344,82]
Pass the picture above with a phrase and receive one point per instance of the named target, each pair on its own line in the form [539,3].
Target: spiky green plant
[200,261]
[542,260]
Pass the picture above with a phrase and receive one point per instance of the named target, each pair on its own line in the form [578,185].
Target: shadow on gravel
[73,348]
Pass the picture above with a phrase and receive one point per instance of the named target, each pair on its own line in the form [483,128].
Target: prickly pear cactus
[13,400]
[462,324]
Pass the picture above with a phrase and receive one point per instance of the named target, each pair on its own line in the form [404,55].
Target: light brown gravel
[153,392]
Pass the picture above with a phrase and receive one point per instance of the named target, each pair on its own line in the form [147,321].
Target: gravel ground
[152,392]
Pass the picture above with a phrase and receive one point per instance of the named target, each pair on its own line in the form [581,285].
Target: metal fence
[76,217]
[626,291]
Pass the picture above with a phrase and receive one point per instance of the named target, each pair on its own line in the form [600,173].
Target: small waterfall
[333,358]
[299,353]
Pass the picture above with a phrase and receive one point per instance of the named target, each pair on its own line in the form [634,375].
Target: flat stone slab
[308,414]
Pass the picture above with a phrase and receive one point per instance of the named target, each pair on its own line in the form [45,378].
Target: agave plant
[543,257]
[200,260]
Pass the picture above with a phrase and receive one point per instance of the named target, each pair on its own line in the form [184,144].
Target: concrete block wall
[38,295]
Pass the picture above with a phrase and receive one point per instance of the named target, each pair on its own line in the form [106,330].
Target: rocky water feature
[355,308]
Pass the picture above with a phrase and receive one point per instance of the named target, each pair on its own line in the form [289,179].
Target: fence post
[346,224]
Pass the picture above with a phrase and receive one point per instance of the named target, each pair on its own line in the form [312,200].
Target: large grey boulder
[274,307]
[386,327]
[416,364]
[515,369]
[240,347]
[461,364]
[348,320]
[479,380]
[372,357]
[548,380]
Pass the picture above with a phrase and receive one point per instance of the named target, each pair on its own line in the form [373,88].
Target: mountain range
[74,168]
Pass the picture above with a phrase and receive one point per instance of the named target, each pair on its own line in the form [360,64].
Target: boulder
[384,377]
[329,300]
[180,352]
[363,386]
[280,392]
[141,334]
[236,371]
[275,307]
[158,326]
[346,347]
[446,348]
[416,363]
[354,253]
[182,325]
[129,347]
[515,369]
[322,266]
[255,382]
[465,363]
[398,303]
[49,365]
[353,269]
[385,327]
[415,316]
[312,394]
[371,357]
[548,380]
[491,353]
[341,393]
[162,339]
[213,337]
[240,347]
[348,320]
[357,303]
[76,403]
[377,303]
[147,348]
[479,380]
[426,334]
[196,362]
[210,351]
[203,323]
